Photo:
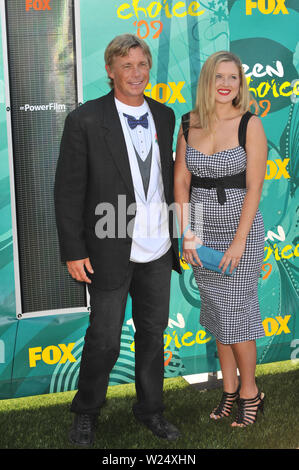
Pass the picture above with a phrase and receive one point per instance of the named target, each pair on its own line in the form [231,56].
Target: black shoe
[160,427]
[83,430]
[248,409]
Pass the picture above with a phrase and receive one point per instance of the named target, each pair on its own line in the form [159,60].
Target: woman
[223,139]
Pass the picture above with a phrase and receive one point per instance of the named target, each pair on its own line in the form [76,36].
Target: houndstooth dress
[229,304]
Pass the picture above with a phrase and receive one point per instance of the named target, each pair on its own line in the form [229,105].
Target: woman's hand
[190,255]
[233,255]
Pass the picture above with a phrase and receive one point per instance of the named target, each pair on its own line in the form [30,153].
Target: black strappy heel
[226,404]
[248,409]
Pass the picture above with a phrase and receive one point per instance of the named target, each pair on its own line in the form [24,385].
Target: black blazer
[93,167]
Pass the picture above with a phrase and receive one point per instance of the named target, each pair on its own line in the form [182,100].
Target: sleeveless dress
[229,304]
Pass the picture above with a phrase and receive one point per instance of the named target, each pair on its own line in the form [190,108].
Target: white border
[19,311]
[45,313]
[77,30]
[77,27]
[11,163]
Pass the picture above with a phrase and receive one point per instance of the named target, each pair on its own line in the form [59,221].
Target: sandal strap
[226,403]
[230,395]
[250,400]
[246,414]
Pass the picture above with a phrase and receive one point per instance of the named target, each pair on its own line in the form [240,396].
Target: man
[106,154]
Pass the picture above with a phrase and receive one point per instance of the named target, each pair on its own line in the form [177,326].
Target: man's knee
[104,344]
[149,339]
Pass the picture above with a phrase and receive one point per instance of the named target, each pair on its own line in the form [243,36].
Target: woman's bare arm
[182,181]
[256,149]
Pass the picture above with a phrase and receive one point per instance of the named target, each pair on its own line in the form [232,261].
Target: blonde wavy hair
[204,109]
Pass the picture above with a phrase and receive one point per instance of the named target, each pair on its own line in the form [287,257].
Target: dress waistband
[231,181]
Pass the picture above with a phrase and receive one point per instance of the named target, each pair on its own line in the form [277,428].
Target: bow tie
[142,121]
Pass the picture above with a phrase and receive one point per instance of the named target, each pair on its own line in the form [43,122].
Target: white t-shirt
[150,238]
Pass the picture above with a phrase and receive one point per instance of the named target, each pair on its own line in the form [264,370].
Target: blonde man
[119,148]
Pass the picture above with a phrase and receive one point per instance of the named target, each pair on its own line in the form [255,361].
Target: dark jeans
[149,287]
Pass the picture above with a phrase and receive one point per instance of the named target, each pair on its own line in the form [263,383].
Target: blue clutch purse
[210,258]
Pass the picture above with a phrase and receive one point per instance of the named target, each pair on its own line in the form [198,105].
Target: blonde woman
[220,168]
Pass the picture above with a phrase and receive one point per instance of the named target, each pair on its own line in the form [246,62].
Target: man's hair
[121,45]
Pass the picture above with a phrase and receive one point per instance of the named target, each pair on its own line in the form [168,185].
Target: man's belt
[231,181]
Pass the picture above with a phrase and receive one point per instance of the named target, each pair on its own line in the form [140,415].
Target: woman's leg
[228,366]
[245,356]
[230,378]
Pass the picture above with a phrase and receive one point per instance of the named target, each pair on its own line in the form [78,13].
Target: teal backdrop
[42,354]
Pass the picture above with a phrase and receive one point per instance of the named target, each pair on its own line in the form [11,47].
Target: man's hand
[76,269]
